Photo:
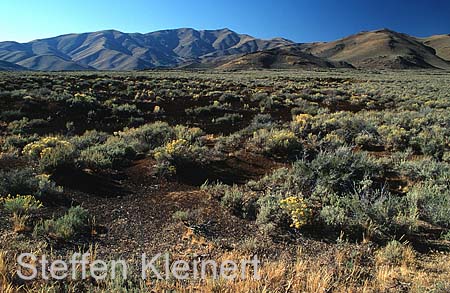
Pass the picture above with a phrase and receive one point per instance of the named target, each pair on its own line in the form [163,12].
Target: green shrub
[51,153]
[148,136]
[423,169]
[18,182]
[366,140]
[277,142]
[394,137]
[233,199]
[433,141]
[431,201]
[67,227]
[21,204]
[215,108]
[25,181]
[229,97]
[395,254]
[20,207]
[88,139]
[26,125]
[190,134]
[271,217]
[178,154]
[260,121]
[82,101]
[57,157]
[338,171]
[340,182]
[16,142]
[126,109]
[364,209]
[228,119]
[115,152]
[45,186]
[306,107]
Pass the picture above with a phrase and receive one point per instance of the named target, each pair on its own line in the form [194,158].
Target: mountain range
[223,49]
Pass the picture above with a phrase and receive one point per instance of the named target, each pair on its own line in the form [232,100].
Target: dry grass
[5,275]
[341,270]
[19,223]
[338,272]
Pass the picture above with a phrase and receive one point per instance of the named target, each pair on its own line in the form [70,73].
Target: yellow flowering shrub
[20,204]
[298,210]
[301,121]
[277,141]
[51,153]
[334,138]
[175,146]
[394,137]
[44,146]
[178,152]
[188,133]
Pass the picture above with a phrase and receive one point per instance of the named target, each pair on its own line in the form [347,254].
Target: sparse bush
[203,111]
[88,139]
[20,206]
[278,142]
[423,169]
[19,126]
[57,157]
[364,209]
[25,181]
[82,101]
[20,181]
[115,152]
[339,171]
[148,136]
[433,142]
[229,98]
[126,109]
[16,142]
[258,122]
[181,216]
[180,153]
[431,202]
[51,153]
[395,254]
[72,224]
[301,123]
[233,199]
[366,140]
[228,119]
[190,134]
[271,217]
[305,107]
[394,137]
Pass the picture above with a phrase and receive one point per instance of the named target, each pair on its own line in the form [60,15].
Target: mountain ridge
[379,49]
[224,49]
[115,50]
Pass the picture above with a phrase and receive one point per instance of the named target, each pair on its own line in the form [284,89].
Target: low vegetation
[338,181]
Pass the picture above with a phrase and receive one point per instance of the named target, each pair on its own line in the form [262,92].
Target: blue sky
[301,20]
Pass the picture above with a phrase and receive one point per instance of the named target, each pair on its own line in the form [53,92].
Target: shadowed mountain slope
[114,50]
[8,66]
[287,57]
